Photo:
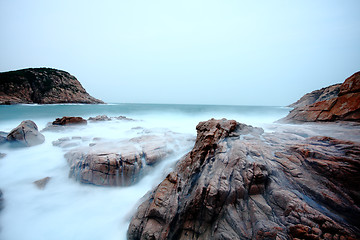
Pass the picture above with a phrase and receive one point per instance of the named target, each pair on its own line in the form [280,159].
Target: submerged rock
[1,200]
[100,118]
[123,162]
[42,85]
[41,183]
[345,106]
[26,134]
[239,183]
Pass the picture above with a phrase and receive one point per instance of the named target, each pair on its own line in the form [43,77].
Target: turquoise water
[66,209]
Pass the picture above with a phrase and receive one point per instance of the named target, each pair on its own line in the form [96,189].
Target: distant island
[42,86]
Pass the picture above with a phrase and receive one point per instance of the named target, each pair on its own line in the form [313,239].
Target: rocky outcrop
[26,134]
[43,86]
[122,162]
[69,121]
[240,183]
[345,106]
[317,96]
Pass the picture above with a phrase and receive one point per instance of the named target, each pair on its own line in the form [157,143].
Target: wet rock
[345,106]
[69,121]
[124,118]
[241,183]
[121,163]
[100,118]
[3,136]
[2,155]
[317,96]
[26,134]
[41,183]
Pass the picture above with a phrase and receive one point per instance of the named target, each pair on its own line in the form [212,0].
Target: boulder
[26,134]
[344,107]
[241,183]
[120,162]
[69,121]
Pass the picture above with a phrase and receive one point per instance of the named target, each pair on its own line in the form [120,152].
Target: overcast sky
[187,51]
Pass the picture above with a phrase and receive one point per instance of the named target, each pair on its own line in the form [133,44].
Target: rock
[41,184]
[3,136]
[124,118]
[42,85]
[2,155]
[69,121]
[1,200]
[241,183]
[345,106]
[100,118]
[317,96]
[123,162]
[26,134]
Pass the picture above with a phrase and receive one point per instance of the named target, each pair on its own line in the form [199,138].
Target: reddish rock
[345,106]
[69,121]
[239,183]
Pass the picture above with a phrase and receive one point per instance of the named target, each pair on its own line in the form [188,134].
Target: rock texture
[119,163]
[42,85]
[345,106]
[317,96]
[26,134]
[239,183]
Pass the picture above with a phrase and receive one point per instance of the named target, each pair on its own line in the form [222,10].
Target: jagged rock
[124,118]
[121,163]
[317,96]
[26,134]
[345,106]
[69,121]
[42,85]
[41,183]
[100,118]
[239,183]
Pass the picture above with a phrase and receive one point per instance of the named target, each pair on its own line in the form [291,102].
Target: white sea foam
[66,209]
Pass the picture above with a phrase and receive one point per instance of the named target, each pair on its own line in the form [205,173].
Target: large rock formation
[42,85]
[345,106]
[26,134]
[239,183]
[120,162]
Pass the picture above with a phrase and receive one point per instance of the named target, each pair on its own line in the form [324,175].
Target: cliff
[43,86]
[344,106]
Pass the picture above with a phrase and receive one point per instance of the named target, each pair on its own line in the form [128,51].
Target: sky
[226,52]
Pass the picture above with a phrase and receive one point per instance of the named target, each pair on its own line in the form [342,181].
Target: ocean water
[66,209]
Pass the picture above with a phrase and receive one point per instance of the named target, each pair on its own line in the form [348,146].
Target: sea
[67,209]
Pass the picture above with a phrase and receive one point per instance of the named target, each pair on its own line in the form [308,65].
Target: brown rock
[345,106]
[41,183]
[119,163]
[239,183]
[69,121]
[42,85]
[26,134]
